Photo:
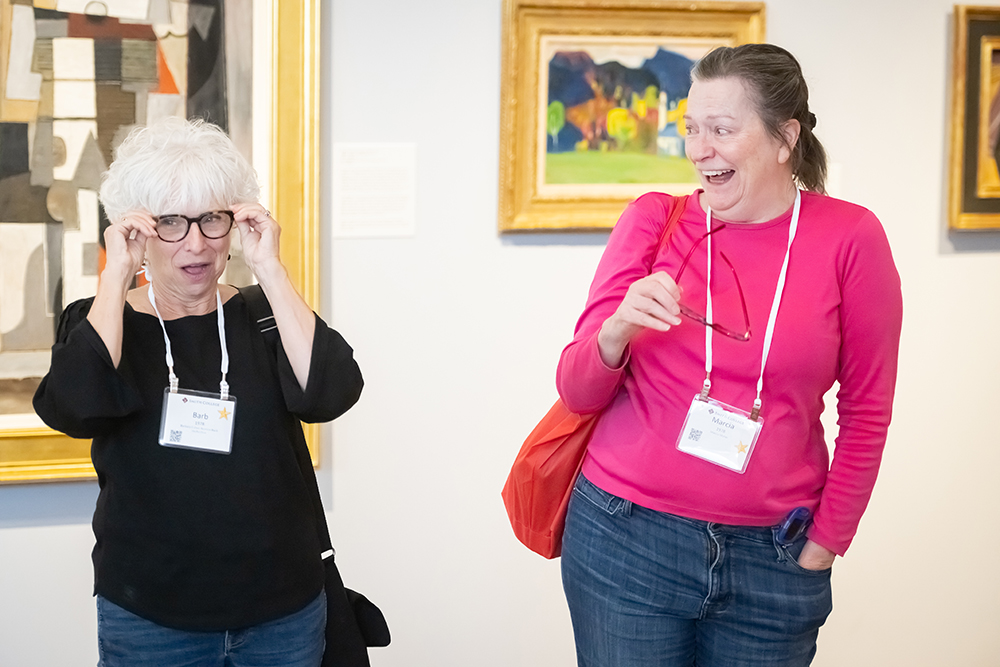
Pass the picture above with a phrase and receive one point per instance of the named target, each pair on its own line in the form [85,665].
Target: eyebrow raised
[715,116]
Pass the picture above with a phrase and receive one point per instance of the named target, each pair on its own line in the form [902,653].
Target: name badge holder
[714,431]
[197,419]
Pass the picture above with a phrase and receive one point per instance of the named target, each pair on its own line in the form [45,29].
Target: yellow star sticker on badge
[224,414]
[741,448]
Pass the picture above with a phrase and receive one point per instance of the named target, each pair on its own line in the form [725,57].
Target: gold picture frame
[548,186]
[41,454]
[973,173]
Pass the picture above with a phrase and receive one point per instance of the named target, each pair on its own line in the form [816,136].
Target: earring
[228,257]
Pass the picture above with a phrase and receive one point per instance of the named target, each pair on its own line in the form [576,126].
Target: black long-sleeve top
[191,539]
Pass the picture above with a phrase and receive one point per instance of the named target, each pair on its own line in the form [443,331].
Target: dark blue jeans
[127,640]
[650,589]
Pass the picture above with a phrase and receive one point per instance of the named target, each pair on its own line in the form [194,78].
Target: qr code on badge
[175,436]
[695,435]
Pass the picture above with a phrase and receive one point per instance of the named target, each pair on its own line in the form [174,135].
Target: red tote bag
[541,480]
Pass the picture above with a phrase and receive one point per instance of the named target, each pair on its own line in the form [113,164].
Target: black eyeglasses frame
[196,221]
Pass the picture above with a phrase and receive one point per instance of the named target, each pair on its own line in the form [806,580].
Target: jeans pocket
[607,502]
[789,553]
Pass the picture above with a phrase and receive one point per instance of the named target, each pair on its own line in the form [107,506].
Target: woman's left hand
[259,234]
[816,557]
[296,322]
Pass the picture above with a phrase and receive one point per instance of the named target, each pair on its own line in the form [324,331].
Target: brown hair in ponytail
[774,81]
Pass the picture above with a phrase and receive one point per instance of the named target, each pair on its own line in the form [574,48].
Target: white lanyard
[223,385]
[772,318]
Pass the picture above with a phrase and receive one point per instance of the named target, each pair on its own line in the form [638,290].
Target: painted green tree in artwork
[555,120]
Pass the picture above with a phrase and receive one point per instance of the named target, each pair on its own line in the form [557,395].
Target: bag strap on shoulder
[676,210]
[353,621]
[261,313]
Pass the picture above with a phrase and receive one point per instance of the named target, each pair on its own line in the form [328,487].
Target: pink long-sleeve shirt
[839,320]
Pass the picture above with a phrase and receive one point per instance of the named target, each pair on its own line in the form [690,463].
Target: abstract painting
[592,103]
[280,52]
[77,76]
[615,110]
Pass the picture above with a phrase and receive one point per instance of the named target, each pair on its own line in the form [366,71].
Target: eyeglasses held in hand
[694,315]
[213,225]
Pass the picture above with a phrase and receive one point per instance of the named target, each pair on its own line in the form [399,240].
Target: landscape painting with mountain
[615,112]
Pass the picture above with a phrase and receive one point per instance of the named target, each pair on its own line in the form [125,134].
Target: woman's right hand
[652,302]
[125,244]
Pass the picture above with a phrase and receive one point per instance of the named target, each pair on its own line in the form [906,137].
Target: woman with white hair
[207,549]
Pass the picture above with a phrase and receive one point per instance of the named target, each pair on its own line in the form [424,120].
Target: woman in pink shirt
[708,515]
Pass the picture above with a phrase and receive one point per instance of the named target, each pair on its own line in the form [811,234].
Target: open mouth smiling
[717,176]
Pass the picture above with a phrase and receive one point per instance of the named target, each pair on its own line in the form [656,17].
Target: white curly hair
[176,165]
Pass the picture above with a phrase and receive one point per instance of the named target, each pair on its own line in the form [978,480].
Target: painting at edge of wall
[974,175]
[76,77]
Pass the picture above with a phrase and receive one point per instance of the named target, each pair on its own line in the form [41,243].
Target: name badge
[197,420]
[719,433]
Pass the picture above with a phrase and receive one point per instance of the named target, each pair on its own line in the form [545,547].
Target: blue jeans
[127,640]
[650,589]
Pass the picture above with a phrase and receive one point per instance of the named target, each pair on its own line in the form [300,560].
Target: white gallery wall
[458,331]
